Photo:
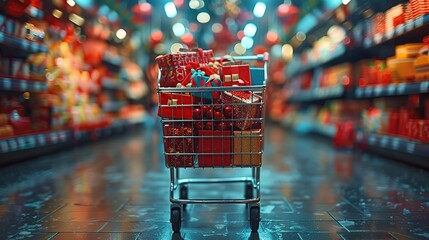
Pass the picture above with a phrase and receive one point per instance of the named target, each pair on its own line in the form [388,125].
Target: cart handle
[265,57]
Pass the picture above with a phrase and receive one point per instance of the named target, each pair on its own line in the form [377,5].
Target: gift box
[236,75]
[214,148]
[179,145]
[175,67]
[175,106]
[199,79]
[247,147]
[245,105]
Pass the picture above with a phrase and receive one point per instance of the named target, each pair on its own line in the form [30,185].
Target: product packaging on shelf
[179,145]
[175,106]
[245,105]
[247,148]
[214,148]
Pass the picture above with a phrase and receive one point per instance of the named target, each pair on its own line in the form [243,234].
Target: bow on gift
[202,77]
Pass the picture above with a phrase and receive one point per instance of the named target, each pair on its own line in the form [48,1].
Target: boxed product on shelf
[410,50]
[401,69]
[395,16]
[419,8]
[372,72]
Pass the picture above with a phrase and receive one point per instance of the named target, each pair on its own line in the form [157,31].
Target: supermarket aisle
[118,189]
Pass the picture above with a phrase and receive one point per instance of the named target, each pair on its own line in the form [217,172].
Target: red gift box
[175,106]
[245,105]
[231,75]
[174,68]
[214,148]
[404,115]
[179,146]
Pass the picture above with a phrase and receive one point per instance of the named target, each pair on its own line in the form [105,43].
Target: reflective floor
[118,189]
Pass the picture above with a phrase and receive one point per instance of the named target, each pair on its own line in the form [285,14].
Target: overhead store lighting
[239,49]
[121,34]
[247,42]
[196,4]
[57,13]
[203,17]
[113,16]
[259,9]
[103,10]
[71,3]
[250,30]
[170,10]
[179,29]
[76,19]
[345,2]
[175,47]
[217,28]
[301,36]
[287,52]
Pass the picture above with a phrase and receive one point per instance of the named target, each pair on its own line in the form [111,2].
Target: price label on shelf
[391,89]
[378,90]
[395,143]
[418,22]
[25,44]
[21,143]
[63,136]
[13,145]
[401,88]
[31,141]
[23,85]
[35,47]
[359,92]
[410,147]
[41,139]
[424,87]
[7,83]
[384,141]
[54,137]
[368,91]
[4,147]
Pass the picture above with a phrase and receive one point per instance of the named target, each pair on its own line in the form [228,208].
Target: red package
[244,105]
[176,145]
[173,66]
[175,106]
[214,148]
[404,115]
[393,122]
[231,75]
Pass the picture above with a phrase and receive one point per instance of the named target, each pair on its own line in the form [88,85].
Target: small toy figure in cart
[212,112]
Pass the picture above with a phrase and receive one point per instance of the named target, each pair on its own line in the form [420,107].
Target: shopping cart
[230,137]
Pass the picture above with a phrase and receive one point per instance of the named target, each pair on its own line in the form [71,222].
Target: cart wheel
[254,218]
[183,194]
[248,190]
[175,219]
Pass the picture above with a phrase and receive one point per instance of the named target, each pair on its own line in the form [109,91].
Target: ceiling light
[259,9]
[121,34]
[345,2]
[179,29]
[76,19]
[301,36]
[250,29]
[57,13]
[239,49]
[217,28]
[175,47]
[170,10]
[247,42]
[287,52]
[71,3]
[203,17]
[194,4]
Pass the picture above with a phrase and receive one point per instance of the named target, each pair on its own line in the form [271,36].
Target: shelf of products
[10,84]
[392,90]
[22,44]
[317,94]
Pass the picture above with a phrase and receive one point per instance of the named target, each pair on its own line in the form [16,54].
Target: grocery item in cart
[178,145]
[245,106]
[214,148]
[175,67]
[175,106]
[236,75]
[247,148]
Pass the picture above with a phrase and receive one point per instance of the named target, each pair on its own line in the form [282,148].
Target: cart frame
[252,192]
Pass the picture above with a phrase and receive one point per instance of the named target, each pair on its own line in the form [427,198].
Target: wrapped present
[214,148]
[247,148]
[245,105]
[176,66]
[175,106]
[236,75]
[200,78]
[179,150]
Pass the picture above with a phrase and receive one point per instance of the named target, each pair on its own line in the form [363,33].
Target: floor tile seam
[53,236]
[103,226]
[302,238]
[123,205]
[353,205]
[336,220]
[51,213]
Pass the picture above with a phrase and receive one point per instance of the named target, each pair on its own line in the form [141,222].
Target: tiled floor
[118,189]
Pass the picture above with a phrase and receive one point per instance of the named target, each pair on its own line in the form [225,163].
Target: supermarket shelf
[33,145]
[99,133]
[110,84]
[392,90]
[399,148]
[317,94]
[25,45]
[415,27]
[11,84]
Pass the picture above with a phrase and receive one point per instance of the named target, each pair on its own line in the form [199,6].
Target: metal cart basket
[226,131]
